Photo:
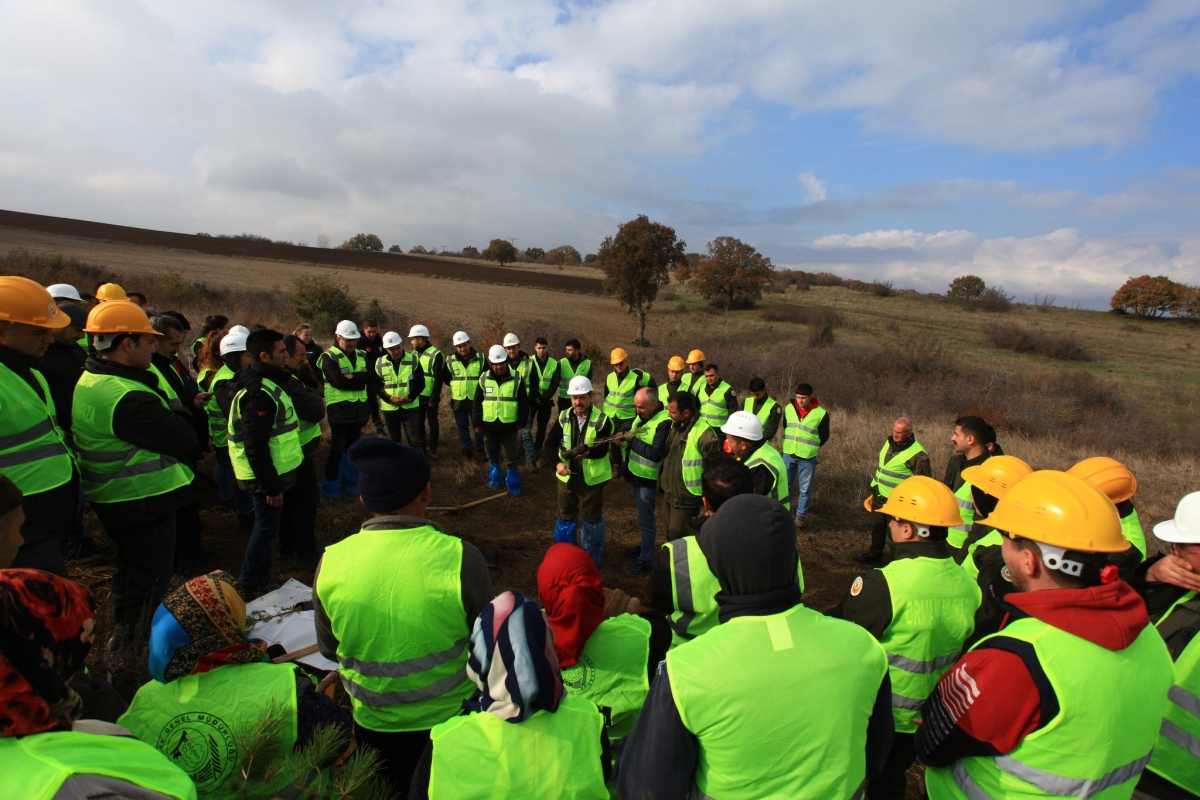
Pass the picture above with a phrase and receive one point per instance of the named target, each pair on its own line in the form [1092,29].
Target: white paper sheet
[279,622]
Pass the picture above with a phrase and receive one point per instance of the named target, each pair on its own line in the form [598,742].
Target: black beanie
[390,475]
[10,495]
[750,544]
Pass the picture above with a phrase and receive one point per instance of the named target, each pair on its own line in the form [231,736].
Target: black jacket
[496,426]
[187,389]
[346,411]
[571,434]
[308,401]
[436,369]
[550,396]
[312,352]
[61,367]
[258,412]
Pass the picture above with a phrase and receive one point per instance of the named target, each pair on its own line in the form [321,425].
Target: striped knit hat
[512,660]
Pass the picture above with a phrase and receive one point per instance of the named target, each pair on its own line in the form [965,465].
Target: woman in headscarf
[211,683]
[46,625]
[521,735]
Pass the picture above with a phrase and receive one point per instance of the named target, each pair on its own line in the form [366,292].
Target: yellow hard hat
[997,475]
[1108,475]
[696,357]
[1061,510]
[110,291]
[924,501]
[28,303]
[119,316]
[676,364]
[618,356]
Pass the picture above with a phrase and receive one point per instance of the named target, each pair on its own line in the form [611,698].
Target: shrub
[314,295]
[1060,346]
[367,242]
[804,315]
[395,249]
[590,258]
[563,255]
[990,299]
[1146,296]
[965,287]
[417,250]
[534,253]
[470,252]
[820,336]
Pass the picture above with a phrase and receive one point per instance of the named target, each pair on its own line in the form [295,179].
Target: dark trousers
[400,752]
[187,531]
[405,424]
[542,416]
[372,402]
[145,562]
[892,784]
[297,524]
[341,436]
[506,446]
[462,421]
[575,496]
[879,533]
[430,416]
[49,518]
[256,566]
[677,515]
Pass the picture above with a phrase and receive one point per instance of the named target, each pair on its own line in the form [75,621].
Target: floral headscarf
[512,660]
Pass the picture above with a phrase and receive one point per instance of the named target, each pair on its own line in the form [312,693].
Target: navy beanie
[390,475]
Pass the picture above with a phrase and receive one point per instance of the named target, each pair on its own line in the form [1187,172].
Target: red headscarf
[572,592]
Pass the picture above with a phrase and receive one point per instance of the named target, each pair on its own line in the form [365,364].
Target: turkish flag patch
[261,413]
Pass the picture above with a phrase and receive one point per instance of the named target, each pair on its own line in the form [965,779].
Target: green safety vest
[548,756]
[1177,754]
[694,590]
[618,400]
[823,674]
[644,432]
[957,534]
[36,766]
[664,394]
[521,367]
[500,399]
[712,404]
[567,372]
[764,413]
[691,381]
[693,459]
[767,456]
[892,472]
[426,357]
[196,721]
[403,663]
[463,377]
[165,387]
[342,361]
[801,437]
[285,438]
[595,470]
[112,470]
[307,430]
[1131,527]
[396,380]
[933,612]
[992,539]
[1111,705]
[33,454]
[612,671]
[218,423]
[545,374]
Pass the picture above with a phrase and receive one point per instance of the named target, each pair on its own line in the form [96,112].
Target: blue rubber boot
[350,487]
[593,538]
[329,490]
[564,531]
[495,476]
[513,481]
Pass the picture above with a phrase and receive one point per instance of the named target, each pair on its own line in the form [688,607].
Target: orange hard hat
[924,501]
[997,475]
[696,357]
[28,303]
[109,292]
[119,316]
[1061,510]
[1108,475]
[618,356]
[676,364]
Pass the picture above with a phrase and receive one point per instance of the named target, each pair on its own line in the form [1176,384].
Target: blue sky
[1050,146]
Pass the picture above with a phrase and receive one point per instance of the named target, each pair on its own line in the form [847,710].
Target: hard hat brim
[1168,531]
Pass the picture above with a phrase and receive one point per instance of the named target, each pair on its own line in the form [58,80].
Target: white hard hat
[347,330]
[391,339]
[233,342]
[64,291]
[242,329]
[579,385]
[496,354]
[460,337]
[418,330]
[1185,528]
[743,425]
[511,340]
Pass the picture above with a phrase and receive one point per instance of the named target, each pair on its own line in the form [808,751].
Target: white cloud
[814,188]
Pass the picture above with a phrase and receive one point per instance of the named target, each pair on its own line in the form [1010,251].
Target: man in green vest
[297,524]
[33,451]
[744,440]
[970,449]
[691,441]
[900,457]
[674,381]
[463,370]
[1170,586]
[619,388]
[400,379]
[544,379]
[583,468]
[433,364]
[776,701]
[717,398]
[344,370]
[693,379]
[403,662]
[573,364]
[920,607]
[763,406]
[645,449]
[1068,698]
[131,447]
[222,388]
[805,431]
[499,412]
[521,364]
[264,448]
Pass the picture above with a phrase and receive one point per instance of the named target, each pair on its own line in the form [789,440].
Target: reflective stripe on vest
[618,400]
[712,404]
[342,362]
[691,382]
[693,459]
[397,378]
[567,372]
[164,386]
[427,357]
[218,422]
[1177,754]
[767,456]
[545,374]
[956,535]
[500,399]
[284,443]
[893,471]
[801,437]
[32,450]
[595,470]
[612,670]
[764,413]
[463,377]
[644,432]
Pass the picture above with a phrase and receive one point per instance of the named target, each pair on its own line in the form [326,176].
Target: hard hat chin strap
[922,530]
[1056,558]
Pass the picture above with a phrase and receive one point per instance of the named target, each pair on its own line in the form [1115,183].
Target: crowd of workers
[1014,636]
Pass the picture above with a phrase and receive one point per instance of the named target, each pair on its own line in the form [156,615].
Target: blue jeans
[462,419]
[527,438]
[645,497]
[800,477]
[227,488]
[256,566]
